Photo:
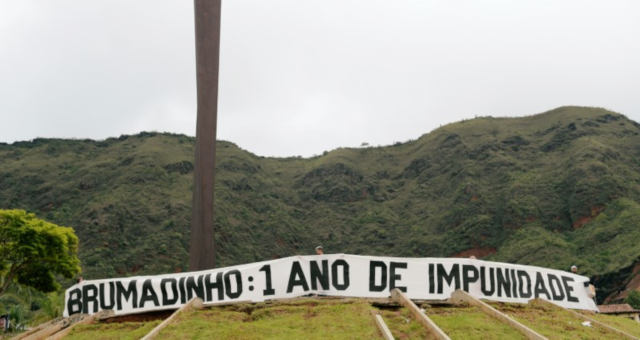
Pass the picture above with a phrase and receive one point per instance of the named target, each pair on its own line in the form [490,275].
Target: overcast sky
[298,77]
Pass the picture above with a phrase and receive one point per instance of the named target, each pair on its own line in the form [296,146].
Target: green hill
[552,189]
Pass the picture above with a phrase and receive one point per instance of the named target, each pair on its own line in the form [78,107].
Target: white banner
[332,275]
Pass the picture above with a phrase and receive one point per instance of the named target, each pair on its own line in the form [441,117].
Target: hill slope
[553,189]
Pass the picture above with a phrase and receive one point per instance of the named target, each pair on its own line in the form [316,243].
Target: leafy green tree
[634,299]
[33,251]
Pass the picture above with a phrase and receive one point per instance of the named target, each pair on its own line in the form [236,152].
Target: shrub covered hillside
[552,189]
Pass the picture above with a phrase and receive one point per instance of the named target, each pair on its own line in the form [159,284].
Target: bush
[633,299]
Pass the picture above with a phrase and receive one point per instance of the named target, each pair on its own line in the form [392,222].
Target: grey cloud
[300,77]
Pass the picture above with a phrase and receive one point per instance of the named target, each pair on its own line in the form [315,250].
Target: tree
[33,251]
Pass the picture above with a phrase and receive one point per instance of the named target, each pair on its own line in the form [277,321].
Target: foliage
[633,299]
[553,189]
[33,251]
[28,306]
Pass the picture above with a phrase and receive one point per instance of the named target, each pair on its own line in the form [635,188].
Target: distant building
[623,309]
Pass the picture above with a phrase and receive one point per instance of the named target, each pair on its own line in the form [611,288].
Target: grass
[112,331]
[352,319]
[403,325]
[466,322]
[622,323]
[553,322]
[301,320]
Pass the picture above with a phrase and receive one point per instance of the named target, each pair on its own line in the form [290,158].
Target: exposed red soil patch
[135,268]
[580,222]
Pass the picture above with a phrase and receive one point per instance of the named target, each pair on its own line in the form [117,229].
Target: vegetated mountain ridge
[552,189]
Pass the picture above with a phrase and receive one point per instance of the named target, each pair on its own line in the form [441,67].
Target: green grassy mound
[553,322]
[470,323]
[620,322]
[402,325]
[313,318]
[305,319]
[112,331]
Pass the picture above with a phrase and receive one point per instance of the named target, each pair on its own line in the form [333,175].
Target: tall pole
[207,22]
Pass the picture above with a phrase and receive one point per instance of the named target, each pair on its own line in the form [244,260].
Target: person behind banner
[319,250]
[591,291]
[588,286]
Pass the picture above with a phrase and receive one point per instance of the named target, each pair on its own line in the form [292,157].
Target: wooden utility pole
[207,22]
